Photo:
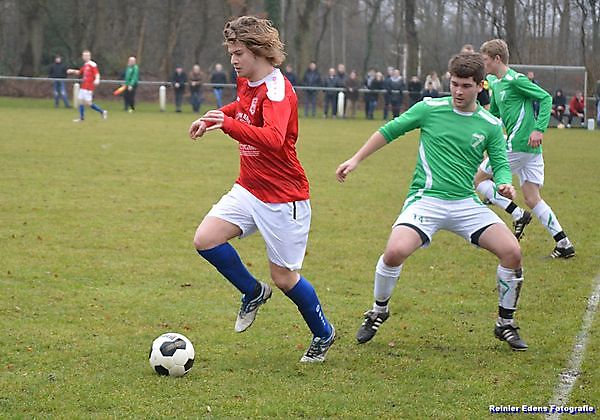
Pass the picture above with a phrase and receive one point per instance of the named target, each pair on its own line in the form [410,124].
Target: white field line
[568,377]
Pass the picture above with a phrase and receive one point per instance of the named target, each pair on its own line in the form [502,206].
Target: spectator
[59,71]
[536,104]
[331,81]
[351,87]
[311,79]
[341,73]
[598,102]
[218,76]
[375,86]
[387,96]
[559,105]
[396,92]
[577,108]
[290,75]
[196,80]
[414,91]
[435,81]
[179,81]
[446,83]
[132,76]
[429,91]
[369,79]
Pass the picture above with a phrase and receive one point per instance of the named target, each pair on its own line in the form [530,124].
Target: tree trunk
[375,7]
[324,26]
[412,39]
[303,33]
[510,30]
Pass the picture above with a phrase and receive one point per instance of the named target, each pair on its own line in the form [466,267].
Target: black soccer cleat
[519,224]
[370,325]
[565,253]
[510,334]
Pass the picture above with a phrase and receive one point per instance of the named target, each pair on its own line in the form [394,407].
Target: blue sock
[227,261]
[81,111]
[96,108]
[304,296]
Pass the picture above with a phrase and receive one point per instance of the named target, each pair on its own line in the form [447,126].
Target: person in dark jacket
[414,91]
[218,76]
[375,85]
[312,79]
[351,87]
[290,75]
[59,71]
[196,79]
[331,81]
[429,91]
[559,105]
[395,89]
[179,81]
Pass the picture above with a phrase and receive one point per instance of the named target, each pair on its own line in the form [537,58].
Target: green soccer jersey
[451,147]
[512,99]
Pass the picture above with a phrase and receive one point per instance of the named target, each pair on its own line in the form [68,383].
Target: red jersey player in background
[90,78]
[271,194]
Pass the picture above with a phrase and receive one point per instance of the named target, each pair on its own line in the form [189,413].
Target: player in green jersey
[512,100]
[455,133]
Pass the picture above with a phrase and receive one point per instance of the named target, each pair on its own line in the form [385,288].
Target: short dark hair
[467,65]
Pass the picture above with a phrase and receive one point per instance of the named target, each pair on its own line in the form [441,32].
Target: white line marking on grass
[569,376]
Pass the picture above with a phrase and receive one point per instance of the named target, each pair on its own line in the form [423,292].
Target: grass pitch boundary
[569,375]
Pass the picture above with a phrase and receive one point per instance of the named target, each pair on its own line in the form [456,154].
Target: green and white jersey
[451,147]
[512,99]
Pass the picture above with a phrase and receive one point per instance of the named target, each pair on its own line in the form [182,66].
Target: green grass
[97,260]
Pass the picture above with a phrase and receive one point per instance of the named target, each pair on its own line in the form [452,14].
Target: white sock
[547,218]
[386,278]
[509,286]
[488,189]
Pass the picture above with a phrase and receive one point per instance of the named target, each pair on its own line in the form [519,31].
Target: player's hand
[344,169]
[507,190]
[214,118]
[197,129]
[535,138]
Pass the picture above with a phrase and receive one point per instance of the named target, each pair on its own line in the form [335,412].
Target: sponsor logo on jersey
[240,116]
[477,140]
[248,150]
[253,105]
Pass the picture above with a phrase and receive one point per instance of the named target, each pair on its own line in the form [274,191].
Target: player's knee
[395,256]
[202,241]
[511,257]
[532,200]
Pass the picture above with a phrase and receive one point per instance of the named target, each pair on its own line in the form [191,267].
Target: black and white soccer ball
[172,354]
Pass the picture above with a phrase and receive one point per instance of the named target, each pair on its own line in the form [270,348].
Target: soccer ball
[560,126]
[172,354]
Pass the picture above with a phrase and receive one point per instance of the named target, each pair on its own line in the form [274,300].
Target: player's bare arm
[375,142]
[535,138]
[213,119]
[73,71]
[507,190]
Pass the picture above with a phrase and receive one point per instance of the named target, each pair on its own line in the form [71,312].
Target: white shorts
[527,166]
[463,217]
[283,226]
[86,95]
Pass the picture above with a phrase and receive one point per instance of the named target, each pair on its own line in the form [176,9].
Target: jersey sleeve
[496,150]
[530,90]
[229,109]
[406,122]
[272,133]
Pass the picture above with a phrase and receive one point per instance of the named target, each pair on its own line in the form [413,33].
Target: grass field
[97,260]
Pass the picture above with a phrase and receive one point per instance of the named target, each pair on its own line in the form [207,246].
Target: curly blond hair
[258,35]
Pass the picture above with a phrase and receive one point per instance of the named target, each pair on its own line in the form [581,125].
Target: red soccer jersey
[264,121]
[88,74]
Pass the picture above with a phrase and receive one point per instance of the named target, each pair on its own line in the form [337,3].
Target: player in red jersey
[90,78]
[271,194]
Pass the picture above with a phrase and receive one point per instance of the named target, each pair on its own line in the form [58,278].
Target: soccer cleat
[519,224]
[371,324]
[249,308]
[510,334]
[487,202]
[104,115]
[318,348]
[565,253]
[78,120]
